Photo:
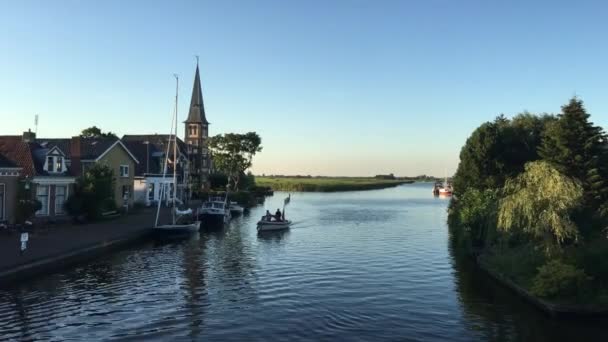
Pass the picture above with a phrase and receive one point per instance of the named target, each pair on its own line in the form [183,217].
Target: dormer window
[54,164]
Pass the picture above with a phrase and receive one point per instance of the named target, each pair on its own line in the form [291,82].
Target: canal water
[357,266]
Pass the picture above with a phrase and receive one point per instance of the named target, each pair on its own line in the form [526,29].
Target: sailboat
[444,189]
[176,215]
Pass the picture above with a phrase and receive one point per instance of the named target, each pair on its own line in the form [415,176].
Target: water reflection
[273,236]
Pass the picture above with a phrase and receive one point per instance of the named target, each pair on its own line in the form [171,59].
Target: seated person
[268,216]
[277,216]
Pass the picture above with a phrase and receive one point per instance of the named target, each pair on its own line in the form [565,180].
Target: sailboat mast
[163,185]
[175,147]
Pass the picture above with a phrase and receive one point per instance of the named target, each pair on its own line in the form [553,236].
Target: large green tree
[499,149]
[233,153]
[575,146]
[95,132]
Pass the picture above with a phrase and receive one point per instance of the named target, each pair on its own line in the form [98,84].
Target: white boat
[264,225]
[236,209]
[280,223]
[177,215]
[215,212]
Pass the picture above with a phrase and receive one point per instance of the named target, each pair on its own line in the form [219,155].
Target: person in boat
[277,216]
[268,216]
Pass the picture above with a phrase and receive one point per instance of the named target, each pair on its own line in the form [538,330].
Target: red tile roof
[18,152]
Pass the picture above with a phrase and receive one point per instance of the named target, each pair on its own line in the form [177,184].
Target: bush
[27,206]
[473,217]
[557,279]
[93,194]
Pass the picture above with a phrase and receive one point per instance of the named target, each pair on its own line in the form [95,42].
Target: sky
[353,87]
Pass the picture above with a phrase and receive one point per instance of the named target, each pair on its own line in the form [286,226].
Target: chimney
[29,136]
[75,154]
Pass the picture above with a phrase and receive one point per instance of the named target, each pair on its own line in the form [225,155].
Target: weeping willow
[539,202]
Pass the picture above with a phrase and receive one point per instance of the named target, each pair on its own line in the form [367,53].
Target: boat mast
[175,147]
[163,185]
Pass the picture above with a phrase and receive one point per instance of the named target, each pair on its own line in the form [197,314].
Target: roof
[196,114]
[6,163]
[147,148]
[18,153]
[145,154]
[159,140]
[62,144]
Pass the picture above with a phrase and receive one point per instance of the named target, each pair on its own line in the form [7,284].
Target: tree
[580,150]
[539,202]
[498,150]
[233,153]
[93,193]
[95,132]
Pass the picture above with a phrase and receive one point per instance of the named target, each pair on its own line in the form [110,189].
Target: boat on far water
[443,189]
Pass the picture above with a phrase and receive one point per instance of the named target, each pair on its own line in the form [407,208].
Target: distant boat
[443,189]
[190,226]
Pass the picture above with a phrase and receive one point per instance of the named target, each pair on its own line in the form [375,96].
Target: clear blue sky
[333,87]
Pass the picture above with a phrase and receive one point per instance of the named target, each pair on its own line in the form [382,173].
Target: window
[54,164]
[42,194]
[193,130]
[124,171]
[59,164]
[2,202]
[195,143]
[60,196]
[50,164]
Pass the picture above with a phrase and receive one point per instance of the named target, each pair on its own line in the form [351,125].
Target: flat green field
[326,184]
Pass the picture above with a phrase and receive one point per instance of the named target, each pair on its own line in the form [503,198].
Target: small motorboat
[236,209]
[264,225]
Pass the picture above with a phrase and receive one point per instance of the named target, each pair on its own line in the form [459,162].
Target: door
[2,201]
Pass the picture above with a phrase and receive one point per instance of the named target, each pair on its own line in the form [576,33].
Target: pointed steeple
[197,108]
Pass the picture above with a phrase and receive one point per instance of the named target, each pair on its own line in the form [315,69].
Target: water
[357,266]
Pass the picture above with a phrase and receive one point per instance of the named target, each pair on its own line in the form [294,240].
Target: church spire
[197,108]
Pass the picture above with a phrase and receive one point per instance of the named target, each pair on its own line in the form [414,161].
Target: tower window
[193,130]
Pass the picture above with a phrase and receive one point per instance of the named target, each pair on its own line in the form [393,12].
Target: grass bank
[326,184]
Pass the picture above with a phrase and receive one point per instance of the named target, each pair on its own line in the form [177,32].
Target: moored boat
[236,209]
[182,221]
[215,212]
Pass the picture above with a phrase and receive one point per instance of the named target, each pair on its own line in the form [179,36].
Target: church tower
[196,135]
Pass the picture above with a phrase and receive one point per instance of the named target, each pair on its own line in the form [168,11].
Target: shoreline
[327,184]
[552,309]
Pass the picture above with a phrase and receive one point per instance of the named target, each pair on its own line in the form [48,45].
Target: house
[80,154]
[150,150]
[9,183]
[196,136]
[44,170]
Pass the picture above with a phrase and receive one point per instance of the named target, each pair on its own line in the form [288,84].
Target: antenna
[196,56]
[36,124]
